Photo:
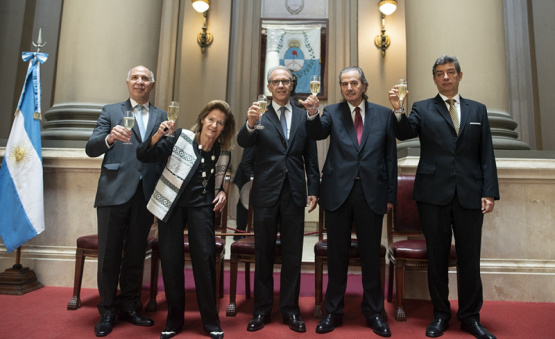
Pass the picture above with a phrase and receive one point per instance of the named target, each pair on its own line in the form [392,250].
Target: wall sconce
[387,7]
[204,38]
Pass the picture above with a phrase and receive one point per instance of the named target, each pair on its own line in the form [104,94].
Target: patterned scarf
[177,169]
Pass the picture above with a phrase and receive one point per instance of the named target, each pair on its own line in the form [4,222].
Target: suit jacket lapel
[152,114]
[368,117]
[349,125]
[272,116]
[442,109]
[464,107]
[296,117]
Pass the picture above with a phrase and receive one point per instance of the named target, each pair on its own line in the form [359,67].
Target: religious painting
[299,45]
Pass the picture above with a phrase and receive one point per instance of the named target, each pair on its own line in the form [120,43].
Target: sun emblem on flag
[294,56]
[20,155]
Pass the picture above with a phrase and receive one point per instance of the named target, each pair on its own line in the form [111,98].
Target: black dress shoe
[295,323]
[170,332]
[104,326]
[476,329]
[257,322]
[217,335]
[379,326]
[328,323]
[437,327]
[135,318]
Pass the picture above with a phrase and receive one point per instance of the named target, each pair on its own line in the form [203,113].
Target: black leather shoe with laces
[328,323]
[477,330]
[437,327]
[135,318]
[105,325]
[379,326]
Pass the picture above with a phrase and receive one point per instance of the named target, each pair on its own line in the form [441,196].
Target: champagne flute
[315,85]
[402,90]
[263,103]
[173,113]
[128,122]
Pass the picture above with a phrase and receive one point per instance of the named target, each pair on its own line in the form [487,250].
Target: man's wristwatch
[399,110]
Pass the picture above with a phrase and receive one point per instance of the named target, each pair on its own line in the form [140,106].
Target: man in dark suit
[243,176]
[359,185]
[284,157]
[124,187]
[455,185]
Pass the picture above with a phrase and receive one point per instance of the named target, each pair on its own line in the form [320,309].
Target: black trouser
[291,225]
[439,223]
[368,228]
[200,221]
[123,228]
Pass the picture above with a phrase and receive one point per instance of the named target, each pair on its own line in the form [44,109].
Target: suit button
[139,169]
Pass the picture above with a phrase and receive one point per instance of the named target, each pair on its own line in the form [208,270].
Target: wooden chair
[321,258]
[87,246]
[220,227]
[242,250]
[409,253]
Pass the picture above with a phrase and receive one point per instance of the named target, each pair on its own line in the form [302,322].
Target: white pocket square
[475,123]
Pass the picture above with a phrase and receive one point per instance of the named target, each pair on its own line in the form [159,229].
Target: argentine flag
[21,185]
[298,48]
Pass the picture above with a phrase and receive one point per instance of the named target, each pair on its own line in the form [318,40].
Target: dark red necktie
[358,124]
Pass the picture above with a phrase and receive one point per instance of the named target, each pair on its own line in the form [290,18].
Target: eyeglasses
[276,82]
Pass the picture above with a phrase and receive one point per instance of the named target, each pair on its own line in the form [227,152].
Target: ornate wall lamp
[387,7]
[204,38]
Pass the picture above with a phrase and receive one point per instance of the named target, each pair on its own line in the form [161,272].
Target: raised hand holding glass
[128,122]
[173,113]
[263,104]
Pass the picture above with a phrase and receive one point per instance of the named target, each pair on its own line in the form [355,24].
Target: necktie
[358,124]
[453,113]
[140,121]
[283,122]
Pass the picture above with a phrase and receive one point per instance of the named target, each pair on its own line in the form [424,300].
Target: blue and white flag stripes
[297,48]
[21,183]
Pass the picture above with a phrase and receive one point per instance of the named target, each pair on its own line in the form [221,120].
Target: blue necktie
[283,121]
[140,121]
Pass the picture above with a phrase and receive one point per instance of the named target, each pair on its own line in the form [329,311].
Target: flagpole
[19,280]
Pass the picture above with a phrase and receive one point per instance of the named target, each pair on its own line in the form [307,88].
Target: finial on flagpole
[39,43]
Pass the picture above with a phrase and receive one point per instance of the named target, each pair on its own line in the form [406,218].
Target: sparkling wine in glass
[315,85]
[173,113]
[263,103]
[128,122]
[402,90]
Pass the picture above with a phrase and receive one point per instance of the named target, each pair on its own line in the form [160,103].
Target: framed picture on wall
[301,46]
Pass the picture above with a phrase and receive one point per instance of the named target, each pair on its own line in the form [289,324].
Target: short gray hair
[151,74]
[279,67]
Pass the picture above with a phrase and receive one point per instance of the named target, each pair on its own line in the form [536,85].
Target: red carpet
[43,314]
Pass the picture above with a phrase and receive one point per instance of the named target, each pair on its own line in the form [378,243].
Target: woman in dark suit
[188,192]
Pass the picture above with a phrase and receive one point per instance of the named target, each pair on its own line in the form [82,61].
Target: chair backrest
[403,220]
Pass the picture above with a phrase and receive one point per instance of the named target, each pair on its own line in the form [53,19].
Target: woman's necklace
[206,177]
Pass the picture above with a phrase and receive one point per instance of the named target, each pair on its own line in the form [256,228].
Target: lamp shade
[201,6]
[387,7]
